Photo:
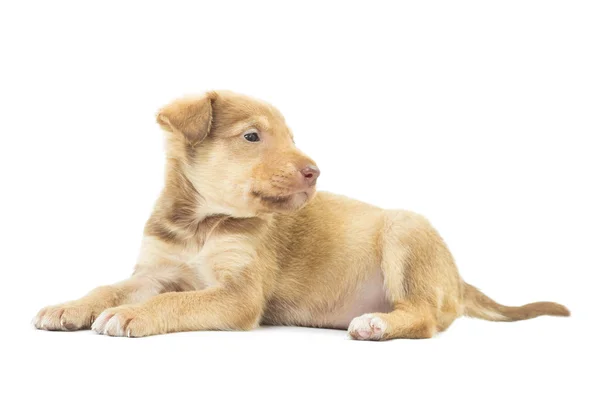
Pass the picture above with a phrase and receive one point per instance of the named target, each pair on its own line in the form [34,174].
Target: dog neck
[183,215]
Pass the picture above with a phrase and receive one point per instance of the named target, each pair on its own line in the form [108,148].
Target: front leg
[80,314]
[232,300]
[227,307]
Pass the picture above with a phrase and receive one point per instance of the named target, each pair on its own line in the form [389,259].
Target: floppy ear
[190,117]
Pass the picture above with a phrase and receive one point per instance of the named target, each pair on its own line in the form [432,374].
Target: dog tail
[479,305]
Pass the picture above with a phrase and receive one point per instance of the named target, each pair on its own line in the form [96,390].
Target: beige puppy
[239,237]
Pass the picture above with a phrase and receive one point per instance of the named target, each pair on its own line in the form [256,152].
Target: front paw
[126,321]
[65,317]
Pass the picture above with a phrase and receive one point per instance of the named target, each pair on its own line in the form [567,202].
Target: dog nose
[310,174]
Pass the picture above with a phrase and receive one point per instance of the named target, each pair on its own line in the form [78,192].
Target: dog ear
[190,117]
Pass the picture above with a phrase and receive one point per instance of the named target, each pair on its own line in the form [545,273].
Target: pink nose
[310,174]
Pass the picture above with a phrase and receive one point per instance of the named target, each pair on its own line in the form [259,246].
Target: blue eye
[252,137]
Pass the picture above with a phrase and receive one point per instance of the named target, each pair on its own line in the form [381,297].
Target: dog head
[238,154]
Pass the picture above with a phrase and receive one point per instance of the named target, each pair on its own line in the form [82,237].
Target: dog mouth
[277,200]
[282,202]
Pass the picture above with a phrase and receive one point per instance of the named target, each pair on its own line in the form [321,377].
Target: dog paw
[367,327]
[125,321]
[64,317]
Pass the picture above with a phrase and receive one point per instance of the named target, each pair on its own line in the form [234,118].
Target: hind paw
[367,327]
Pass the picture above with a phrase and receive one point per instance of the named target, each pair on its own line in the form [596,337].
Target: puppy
[240,237]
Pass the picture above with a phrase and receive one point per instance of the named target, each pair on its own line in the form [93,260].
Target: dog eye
[252,137]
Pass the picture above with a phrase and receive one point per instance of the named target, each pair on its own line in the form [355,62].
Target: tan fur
[240,237]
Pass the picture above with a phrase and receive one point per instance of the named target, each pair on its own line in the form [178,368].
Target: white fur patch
[367,327]
[111,324]
[100,323]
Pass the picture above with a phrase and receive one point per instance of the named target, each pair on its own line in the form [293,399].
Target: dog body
[240,237]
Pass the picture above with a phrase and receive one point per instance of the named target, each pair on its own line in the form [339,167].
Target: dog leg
[218,308]
[406,321]
[421,281]
[80,314]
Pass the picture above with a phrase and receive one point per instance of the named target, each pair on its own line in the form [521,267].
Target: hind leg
[420,279]
[405,321]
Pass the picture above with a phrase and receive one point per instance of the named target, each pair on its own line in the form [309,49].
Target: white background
[484,116]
